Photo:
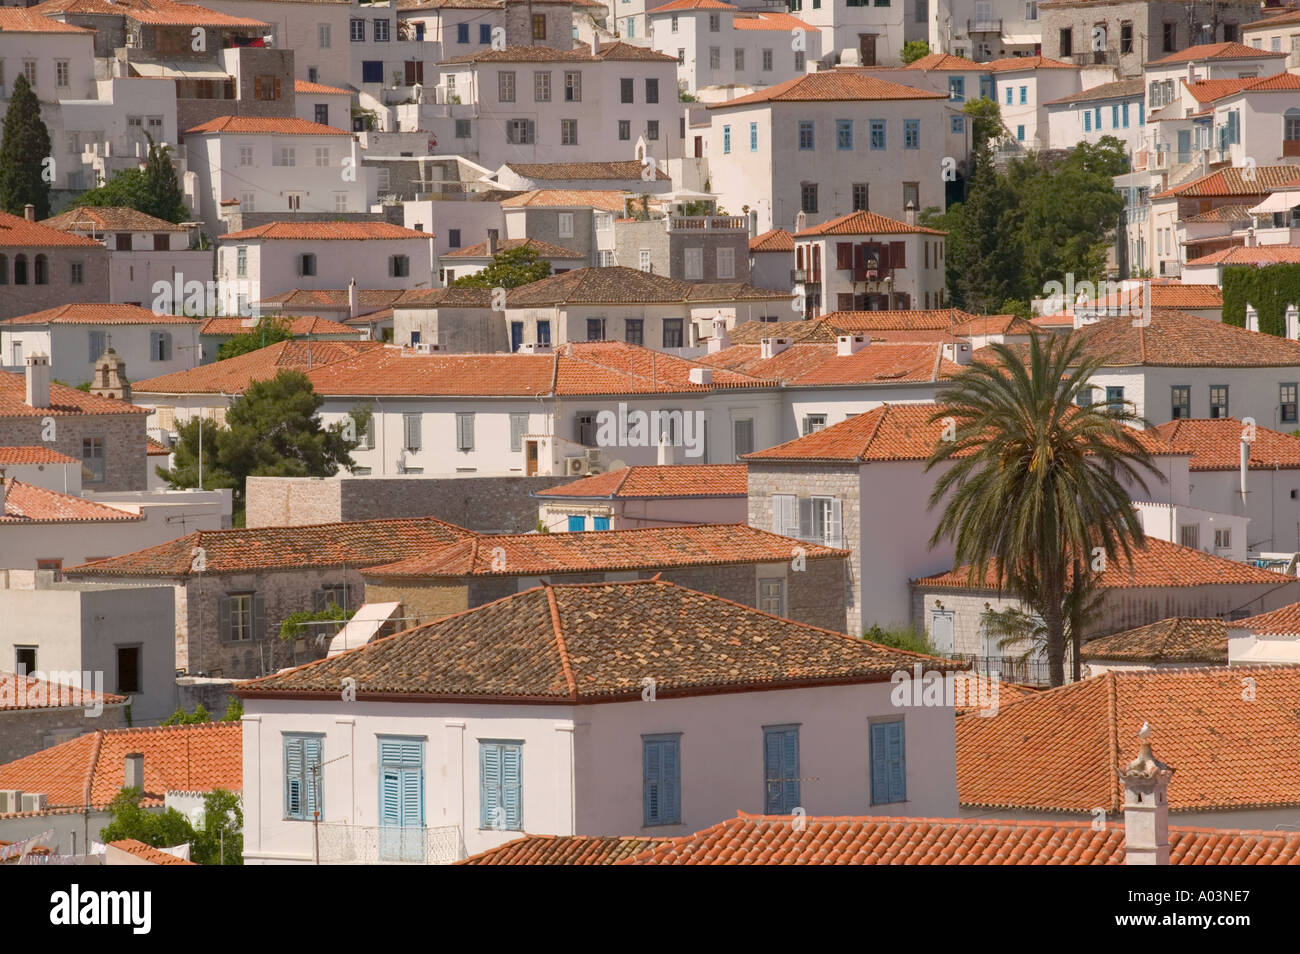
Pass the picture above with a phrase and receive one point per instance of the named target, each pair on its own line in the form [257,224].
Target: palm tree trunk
[1076,623]
[1054,622]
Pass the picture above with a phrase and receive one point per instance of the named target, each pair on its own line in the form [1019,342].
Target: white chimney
[771,347]
[492,236]
[667,452]
[958,352]
[29,212]
[800,221]
[133,771]
[1244,465]
[701,376]
[850,344]
[354,299]
[38,380]
[910,213]
[721,337]
[1250,237]
[1146,806]
[595,42]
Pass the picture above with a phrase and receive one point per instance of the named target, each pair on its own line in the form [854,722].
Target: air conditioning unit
[11,800]
[34,802]
[575,466]
[428,347]
[595,461]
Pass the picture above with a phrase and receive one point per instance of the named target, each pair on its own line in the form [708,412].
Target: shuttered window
[401,799]
[465,431]
[780,769]
[160,346]
[661,780]
[785,515]
[241,617]
[98,345]
[501,789]
[518,427]
[302,791]
[411,431]
[888,763]
[821,520]
[743,431]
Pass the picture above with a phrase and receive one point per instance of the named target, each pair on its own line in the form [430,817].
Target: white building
[1277,33]
[1022,87]
[322,104]
[862,35]
[985,29]
[1112,109]
[442,766]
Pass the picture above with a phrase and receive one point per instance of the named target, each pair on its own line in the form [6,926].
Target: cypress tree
[24,147]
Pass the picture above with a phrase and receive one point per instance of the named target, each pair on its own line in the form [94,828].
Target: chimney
[850,344]
[133,771]
[771,347]
[38,380]
[910,214]
[354,299]
[958,352]
[595,42]
[702,376]
[667,452]
[1250,237]
[721,337]
[800,221]
[1205,162]
[492,236]
[1245,464]
[29,212]
[1146,806]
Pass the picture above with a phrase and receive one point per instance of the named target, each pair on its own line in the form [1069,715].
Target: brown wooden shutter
[843,254]
[898,255]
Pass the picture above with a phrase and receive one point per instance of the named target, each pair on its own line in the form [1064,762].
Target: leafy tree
[899,637]
[24,147]
[191,435]
[985,121]
[509,269]
[164,829]
[268,330]
[152,189]
[200,714]
[234,710]
[221,839]
[983,255]
[1033,482]
[913,50]
[294,625]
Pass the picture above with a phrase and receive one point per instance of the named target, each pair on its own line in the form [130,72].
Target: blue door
[401,800]
[516,335]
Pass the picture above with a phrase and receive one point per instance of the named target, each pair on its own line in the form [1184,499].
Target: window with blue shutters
[1096,118]
[600,523]
[501,787]
[780,769]
[957,89]
[302,759]
[577,524]
[401,799]
[462,32]
[1009,95]
[1024,95]
[661,779]
[485,33]
[888,763]
[911,134]
[1087,122]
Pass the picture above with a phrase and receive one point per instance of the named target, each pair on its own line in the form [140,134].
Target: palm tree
[1033,485]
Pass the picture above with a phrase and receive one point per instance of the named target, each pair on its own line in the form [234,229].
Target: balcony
[735,223]
[983,26]
[369,845]
[1030,672]
[1093,58]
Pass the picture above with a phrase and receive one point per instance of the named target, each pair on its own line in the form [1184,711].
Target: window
[742,436]
[323,115]
[877,134]
[1170,37]
[1126,36]
[726,263]
[888,763]
[1223,539]
[799,62]
[160,346]
[771,596]
[302,765]
[812,423]
[715,58]
[1020,133]
[807,135]
[357,30]
[463,129]
[465,431]
[1115,399]
[565,225]
[740,59]
[24,659]
[957,125]
[285,156]
[92,457]
[76,273]
[652,91]
[1218,400]
[1083,397]
[643,259]
[399,266]
[672,332]
[1066,42]
[1087,121]
[1031,10]
[625,130]
[500,795]
[1181,400]
[266,87]
[128,669]
[1189,535]
[911,134]
[753,137]
[808,197]
[568,132]
[652,130]
[366,437]
[694,262]
[61,73]
[539,26]
[29,71]
[957,89]
[506,86]
[626,91]
[715,23]
[401,799]
[860,194]
[780,769]
[241,617]
[484,34]
[576,524]
[911,197]
[661,785]
[462,33]
[542,87]
[1287,402]
[726,139]
[681,56]
[844,134]
[767,61]
[241,259]
[323,35]
[411,431]
[673,24]
[595,329]
[381,31]
[1009,94]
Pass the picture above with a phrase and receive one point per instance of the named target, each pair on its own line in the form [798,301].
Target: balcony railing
[710,222]
[370,845]
[1094,58]
[1031,672]
[983,26]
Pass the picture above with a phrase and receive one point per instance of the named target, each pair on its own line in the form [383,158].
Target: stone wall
[125,464]
[59,289]
[422,600]
[484,504]
[25,731]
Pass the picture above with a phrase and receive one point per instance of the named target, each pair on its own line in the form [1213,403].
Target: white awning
[179,71]
[1277,202]
[1019,39]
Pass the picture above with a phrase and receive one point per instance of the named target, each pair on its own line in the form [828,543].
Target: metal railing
[983,26]
[680,222]
[1032,672]
[370,845]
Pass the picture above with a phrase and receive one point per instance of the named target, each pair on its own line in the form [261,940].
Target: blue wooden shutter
[489,795]
[652,782]
[772,773]
[311,750]
[790,768]
[888,763]
[672,801]
[577,524]
[390,809]
[600,523]
[512,785]
[292,777]
[781,765]
[412,797]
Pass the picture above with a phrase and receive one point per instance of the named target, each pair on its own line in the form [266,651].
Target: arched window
[42,270]
[4,269]
[20,269]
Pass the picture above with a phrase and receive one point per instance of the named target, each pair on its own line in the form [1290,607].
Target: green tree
[234,710]
[1032,482]
[152,189]
[268,330]
[24,148]
[983,254]
[985,121]
[899,637]
[913,50]
[221,839]
[164,829]
[509,269]
[179,717]
[195,448]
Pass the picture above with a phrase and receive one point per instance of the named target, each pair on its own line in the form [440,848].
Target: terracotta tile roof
[154,856]
[946,61]
[546,54]
[812,363]
[773,240]
[1157,563]
[451,297]
[614,169]
[449,4]
[886,433]
[592,643]
[16,231]
[33,455]
[299,325]
[692,5]
[1252,255]
[604,199]
[1214,51]
[153,12]
[1216,444]
[1177,640]
[63,400]
[268,125]
[1277,19]
[567,849]
[1059,750]
[543,249]
[784,22]
[1123,89]
[153,448]
[109,218]
[620,51]
[90,769]
[1180,339]
[24,503]
[865,223]
[753,332]
[1169,295]
[325,231]
[1284,621]
[679,480]
[617,283]
[89,313]
[318,89]
[34,20]
[650,548]
[26,692]
[358,543]
[1224,213]
[1011,63]
[875,840]
[234,375]
[371,298]
[1230,181]
[828,87]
